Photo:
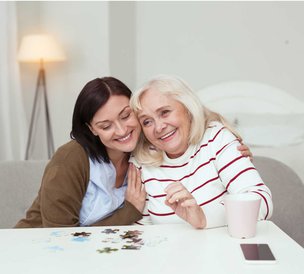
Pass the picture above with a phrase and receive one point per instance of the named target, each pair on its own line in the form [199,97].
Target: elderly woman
[188,157]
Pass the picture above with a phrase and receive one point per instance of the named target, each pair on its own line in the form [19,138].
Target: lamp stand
[41,82]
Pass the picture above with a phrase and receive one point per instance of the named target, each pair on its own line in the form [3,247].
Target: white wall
[82,30]
[203,42]
[209,42]
[122,42]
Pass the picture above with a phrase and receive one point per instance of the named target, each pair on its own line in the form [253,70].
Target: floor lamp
[42,49]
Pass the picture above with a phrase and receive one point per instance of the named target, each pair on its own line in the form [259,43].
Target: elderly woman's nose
[159,125]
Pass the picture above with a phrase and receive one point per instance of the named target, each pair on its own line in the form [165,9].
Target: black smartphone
[257,253]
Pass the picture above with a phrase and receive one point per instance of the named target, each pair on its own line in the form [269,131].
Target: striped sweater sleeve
[237,172]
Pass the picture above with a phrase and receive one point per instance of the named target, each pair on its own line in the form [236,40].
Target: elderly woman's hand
[184,205]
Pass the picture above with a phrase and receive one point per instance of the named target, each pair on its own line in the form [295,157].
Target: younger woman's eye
[126,115]
[165,112]
[105,127]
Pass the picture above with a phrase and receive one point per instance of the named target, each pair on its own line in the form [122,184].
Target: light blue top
[102,197]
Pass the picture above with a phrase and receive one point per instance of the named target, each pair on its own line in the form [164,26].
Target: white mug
[242,211]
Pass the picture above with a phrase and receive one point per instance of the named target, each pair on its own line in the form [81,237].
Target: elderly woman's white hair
[178,90]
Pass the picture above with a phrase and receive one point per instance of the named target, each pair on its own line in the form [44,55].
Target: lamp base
[41,83]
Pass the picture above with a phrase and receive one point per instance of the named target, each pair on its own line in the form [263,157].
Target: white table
[166,249]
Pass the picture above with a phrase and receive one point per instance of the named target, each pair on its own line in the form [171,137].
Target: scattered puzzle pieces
[113,240]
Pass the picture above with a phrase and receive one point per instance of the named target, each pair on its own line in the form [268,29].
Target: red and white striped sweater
[209,170]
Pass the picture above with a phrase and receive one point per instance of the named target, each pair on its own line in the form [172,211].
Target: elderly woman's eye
[146,122]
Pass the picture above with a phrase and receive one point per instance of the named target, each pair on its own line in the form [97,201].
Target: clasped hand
[184,205]
[135,193]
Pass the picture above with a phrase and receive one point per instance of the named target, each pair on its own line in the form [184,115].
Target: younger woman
[86,182]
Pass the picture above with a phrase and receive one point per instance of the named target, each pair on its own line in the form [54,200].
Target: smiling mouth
[123,139]
[168,135]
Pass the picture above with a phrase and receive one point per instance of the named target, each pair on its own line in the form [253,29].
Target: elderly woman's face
[165,123]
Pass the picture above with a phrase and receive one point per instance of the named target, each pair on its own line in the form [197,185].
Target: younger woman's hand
[184,205]
[245,151]
[135,193]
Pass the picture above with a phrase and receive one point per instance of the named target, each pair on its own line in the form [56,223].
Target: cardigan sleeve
[62,189]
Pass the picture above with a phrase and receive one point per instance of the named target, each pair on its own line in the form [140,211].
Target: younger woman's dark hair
[92,97]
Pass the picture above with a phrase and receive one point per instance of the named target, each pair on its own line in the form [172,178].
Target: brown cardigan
[62,190]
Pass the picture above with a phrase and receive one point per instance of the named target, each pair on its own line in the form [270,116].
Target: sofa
[20,182]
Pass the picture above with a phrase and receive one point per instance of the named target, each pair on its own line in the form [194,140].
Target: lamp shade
[35,48]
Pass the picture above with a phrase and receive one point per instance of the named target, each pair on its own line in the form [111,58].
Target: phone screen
[257,253]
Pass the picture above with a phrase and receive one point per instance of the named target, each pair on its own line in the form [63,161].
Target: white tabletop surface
[165,249]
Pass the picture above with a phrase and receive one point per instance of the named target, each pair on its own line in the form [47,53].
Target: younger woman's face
[165,122]
[116,125]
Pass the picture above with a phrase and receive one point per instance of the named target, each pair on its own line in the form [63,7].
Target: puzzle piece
[55,248]
[81,234]
[131,247]
[155,241]
[136,241]
[80,239]
[110,231]
[131,234]
[107,250]
[59,234]
[111,240]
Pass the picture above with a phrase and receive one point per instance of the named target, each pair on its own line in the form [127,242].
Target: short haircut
[92,97]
